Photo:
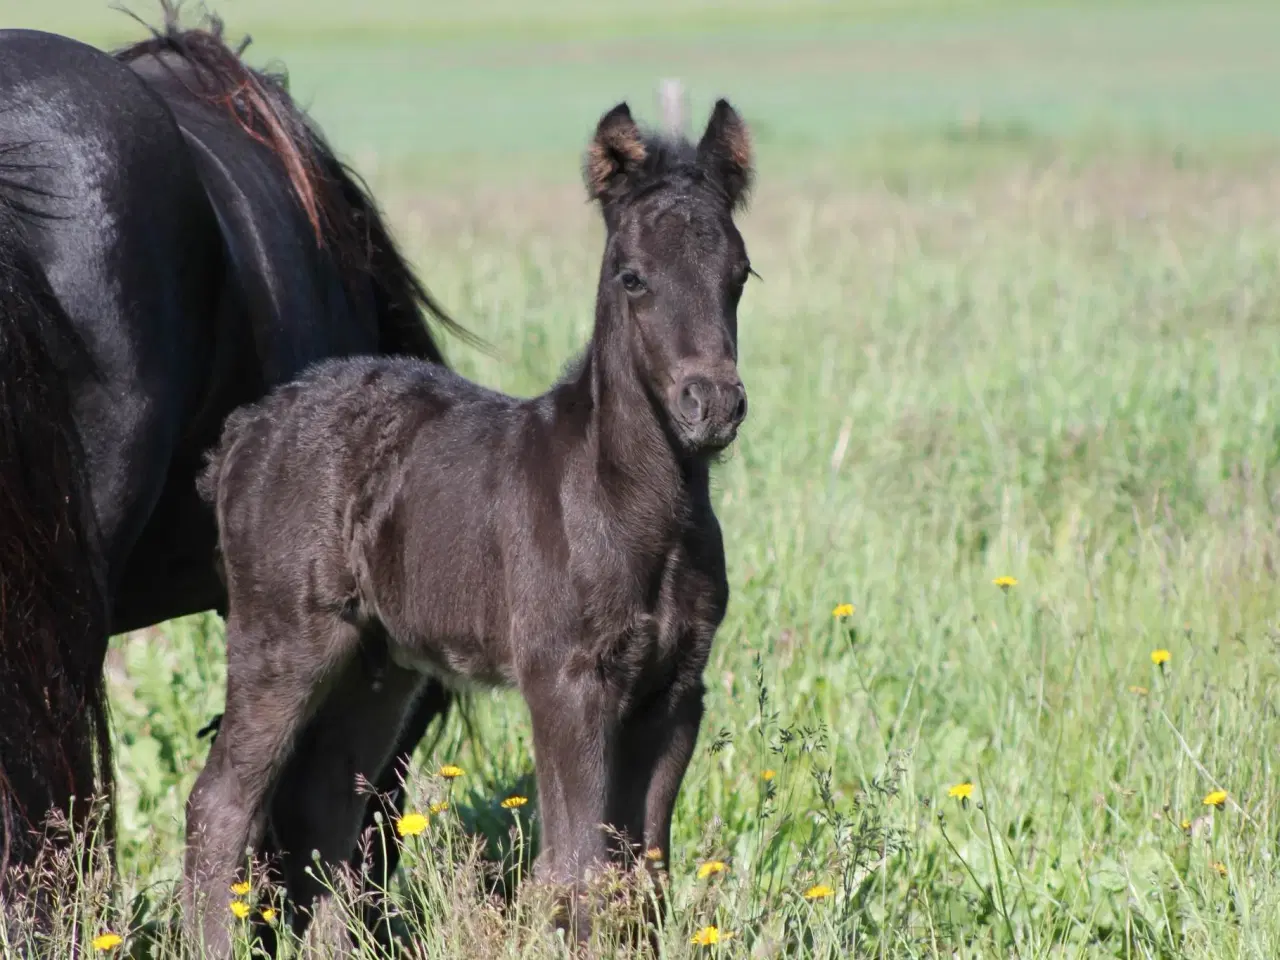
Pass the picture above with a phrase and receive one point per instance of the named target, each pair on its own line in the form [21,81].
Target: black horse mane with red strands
[336,201]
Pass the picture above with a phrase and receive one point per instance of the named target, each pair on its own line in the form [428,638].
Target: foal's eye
[631,282]
[744,270]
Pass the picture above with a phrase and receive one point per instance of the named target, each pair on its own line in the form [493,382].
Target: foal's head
[675,265]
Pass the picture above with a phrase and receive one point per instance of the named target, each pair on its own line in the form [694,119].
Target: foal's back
[381,490]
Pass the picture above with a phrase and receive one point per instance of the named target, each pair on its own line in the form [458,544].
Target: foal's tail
[53,612]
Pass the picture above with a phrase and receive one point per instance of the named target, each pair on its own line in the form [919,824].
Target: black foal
[564,545]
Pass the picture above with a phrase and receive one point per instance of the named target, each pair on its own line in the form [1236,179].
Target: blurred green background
[1020,317]
[497,85]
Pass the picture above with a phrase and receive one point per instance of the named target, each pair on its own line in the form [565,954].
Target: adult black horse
[175,238]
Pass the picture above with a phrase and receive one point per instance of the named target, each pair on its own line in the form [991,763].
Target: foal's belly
[459,663]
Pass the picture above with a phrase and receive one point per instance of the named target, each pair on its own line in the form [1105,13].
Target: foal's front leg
[600,775]
[655,744]
[573,714]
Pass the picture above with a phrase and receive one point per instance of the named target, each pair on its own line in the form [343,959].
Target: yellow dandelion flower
[653,853]
[1140,691]
[818,891]
[268,915]
[107,941]
[240,909]
[961,791]
[241,888]
[768,774]
[1215,799]
[440,806]
[511,803]
[712,867]
[450,772]
[843,610]
[411,824]
[1185,825]
[1221,868]
[710,935]
[1004,583]
[1160,657]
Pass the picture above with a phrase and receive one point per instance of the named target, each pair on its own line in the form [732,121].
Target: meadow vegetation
[1011,379]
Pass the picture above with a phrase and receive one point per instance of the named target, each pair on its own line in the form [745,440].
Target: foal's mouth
[705,438]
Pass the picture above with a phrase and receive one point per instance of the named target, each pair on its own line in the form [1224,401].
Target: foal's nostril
[740,408]
[693,400]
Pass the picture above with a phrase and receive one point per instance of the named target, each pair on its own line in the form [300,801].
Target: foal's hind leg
[318,805]
[271,687]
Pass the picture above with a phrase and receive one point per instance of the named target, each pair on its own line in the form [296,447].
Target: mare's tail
[53,612]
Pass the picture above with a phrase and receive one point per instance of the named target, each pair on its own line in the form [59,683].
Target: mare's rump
[108,259]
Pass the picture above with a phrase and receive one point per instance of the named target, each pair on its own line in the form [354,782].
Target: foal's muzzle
[710,411]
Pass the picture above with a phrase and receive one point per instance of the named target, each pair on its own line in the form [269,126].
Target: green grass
[1020,316]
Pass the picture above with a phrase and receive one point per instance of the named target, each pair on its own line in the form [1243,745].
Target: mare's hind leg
[384,849]
[271,688]
[319,804]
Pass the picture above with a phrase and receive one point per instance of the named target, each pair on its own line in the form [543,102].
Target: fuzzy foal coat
[385,520]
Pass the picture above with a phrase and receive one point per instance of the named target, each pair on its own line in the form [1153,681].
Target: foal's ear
[725,149]
[614,155]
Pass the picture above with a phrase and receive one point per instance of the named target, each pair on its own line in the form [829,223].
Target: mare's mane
[338,205]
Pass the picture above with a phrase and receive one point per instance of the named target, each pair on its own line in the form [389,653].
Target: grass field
[1020,317]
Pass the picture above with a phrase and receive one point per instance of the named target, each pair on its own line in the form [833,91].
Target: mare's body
[388,512]
[175,239]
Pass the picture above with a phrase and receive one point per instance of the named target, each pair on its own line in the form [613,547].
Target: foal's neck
[644,476]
